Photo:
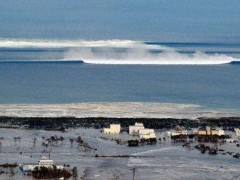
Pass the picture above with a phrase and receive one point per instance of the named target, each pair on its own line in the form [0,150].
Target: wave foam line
[135,52]
[142,55]
[36,43]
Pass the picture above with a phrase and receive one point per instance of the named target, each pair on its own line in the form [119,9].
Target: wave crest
[146,58]
[142,53]
[114,52]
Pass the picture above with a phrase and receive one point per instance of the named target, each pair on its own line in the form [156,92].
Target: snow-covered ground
[161,161]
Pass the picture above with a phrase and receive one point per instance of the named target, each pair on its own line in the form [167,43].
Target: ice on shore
[164,160]
[120,109]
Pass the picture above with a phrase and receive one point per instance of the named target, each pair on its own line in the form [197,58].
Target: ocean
[120,51]
[63,72]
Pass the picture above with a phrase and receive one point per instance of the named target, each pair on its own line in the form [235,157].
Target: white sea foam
[121,110]
[145,58]
[141,53]
[37,43]
[135,52]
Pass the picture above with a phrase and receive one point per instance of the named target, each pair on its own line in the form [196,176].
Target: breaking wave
[142,53]
[117,52]
[145,58]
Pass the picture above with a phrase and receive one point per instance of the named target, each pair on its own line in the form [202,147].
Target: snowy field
[161,161]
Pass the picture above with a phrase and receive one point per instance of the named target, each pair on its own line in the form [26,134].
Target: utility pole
[133,170]
[49,153]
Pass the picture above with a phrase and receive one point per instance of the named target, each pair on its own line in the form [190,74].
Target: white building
[139,130]
[168,133]
[134,130]
[218,132]
[209,131]
[146,133]
[237,130]
[229,140]
[179,131]
[114,129]
[41,163]
[194,131]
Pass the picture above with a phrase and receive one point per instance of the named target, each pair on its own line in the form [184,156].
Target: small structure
[44,162]
[114,129]
[194,131]
[237,131]
[179,131]
[202,132]
[134,130]
[218,132]
[237,156]
[146,133]
[139,130]
[209,131]
[229,140]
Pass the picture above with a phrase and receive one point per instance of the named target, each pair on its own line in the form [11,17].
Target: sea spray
[108,52]
[143,54]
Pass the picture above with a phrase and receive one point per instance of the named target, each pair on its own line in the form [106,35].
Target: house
[134,130]
[146,133]
[44,162]
[114,129]
[139,130]
[202,132]
[218,132]
[179,131]
[194,131]
[237,130]
[229,140]
[209,131]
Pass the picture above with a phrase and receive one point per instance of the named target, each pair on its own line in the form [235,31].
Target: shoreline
[58,123]
[116,110]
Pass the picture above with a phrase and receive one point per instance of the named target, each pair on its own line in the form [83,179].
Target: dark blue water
[202,25]
[72,82]
[155,20]
[26,78]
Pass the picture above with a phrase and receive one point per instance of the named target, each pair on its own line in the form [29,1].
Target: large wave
[120,52]
[142,56]
[142,53]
